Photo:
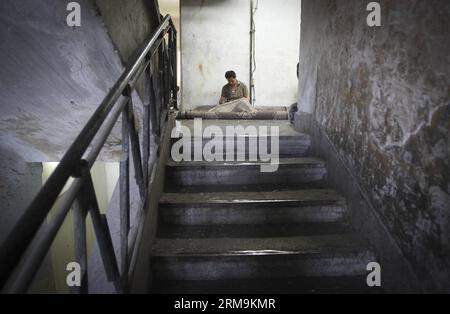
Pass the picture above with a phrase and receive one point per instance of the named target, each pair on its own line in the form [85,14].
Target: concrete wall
[129,23]
[381,97]
[215,38]
[16,194]
[277,25]
[52,78]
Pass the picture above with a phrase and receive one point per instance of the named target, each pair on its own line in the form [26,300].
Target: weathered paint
[381,94]
[215,38]
[52,79]
[53,76]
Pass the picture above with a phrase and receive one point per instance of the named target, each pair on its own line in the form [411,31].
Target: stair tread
[259,246]
[296,136]
[282,161]
[267,187]
[327,284]
[177,231]
[285,127]
[252,197]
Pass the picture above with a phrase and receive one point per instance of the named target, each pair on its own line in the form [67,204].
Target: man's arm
[223,98]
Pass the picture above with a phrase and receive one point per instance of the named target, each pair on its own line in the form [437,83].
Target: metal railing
[30,240]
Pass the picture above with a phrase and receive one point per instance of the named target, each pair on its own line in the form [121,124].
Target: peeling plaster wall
[129,23]
[215,38]
[52,76]
[382,97]
[15,194]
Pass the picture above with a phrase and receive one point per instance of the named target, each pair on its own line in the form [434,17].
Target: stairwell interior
[363,169]
[227,227]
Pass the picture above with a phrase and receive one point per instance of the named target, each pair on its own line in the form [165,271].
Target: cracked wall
[52,76]
[215,38]
[382,96]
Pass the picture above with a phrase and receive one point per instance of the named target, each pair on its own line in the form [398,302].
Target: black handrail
[25,248]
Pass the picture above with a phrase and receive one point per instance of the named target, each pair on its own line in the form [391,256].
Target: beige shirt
[240,92]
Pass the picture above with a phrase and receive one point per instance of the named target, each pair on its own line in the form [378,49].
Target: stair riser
[345,284]
[239,231]
[271,266]
[288,146]
[260,213]
[232,175]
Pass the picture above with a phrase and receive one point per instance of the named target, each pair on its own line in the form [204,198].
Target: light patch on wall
[105,176]
[47,169]
[211,45]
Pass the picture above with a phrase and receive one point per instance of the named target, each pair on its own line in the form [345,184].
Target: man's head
[231,77]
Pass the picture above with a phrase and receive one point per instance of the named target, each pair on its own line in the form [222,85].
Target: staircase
[226,227]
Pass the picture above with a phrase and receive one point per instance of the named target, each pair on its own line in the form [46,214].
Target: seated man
[234,98]
[234,89]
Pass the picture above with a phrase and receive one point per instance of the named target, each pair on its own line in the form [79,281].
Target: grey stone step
[238,258]
[238,116]
[306,285]
[172,231]
[288,146]
[284,127]
[290,171]
[252,207]
[266,187]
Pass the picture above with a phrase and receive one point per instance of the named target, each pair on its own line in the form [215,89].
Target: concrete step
[288,146]
[266,187]
[176,231]
[244,258]
[290,171]
[251,207]
[306,285]
[269,115]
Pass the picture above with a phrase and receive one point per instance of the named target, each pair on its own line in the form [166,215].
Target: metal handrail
[25,248]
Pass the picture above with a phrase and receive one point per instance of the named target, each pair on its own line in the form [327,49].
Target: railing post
[152,106]
[16,252]
[125,198]
[146,125]
[88,201]
[174,66]
[161,87]
[162,73]
[169,66]
[79,221]
[135,149]
[166,68]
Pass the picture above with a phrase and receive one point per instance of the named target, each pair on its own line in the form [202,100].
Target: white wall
[105,176]
[215,38]
[53,76]
[277,25]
